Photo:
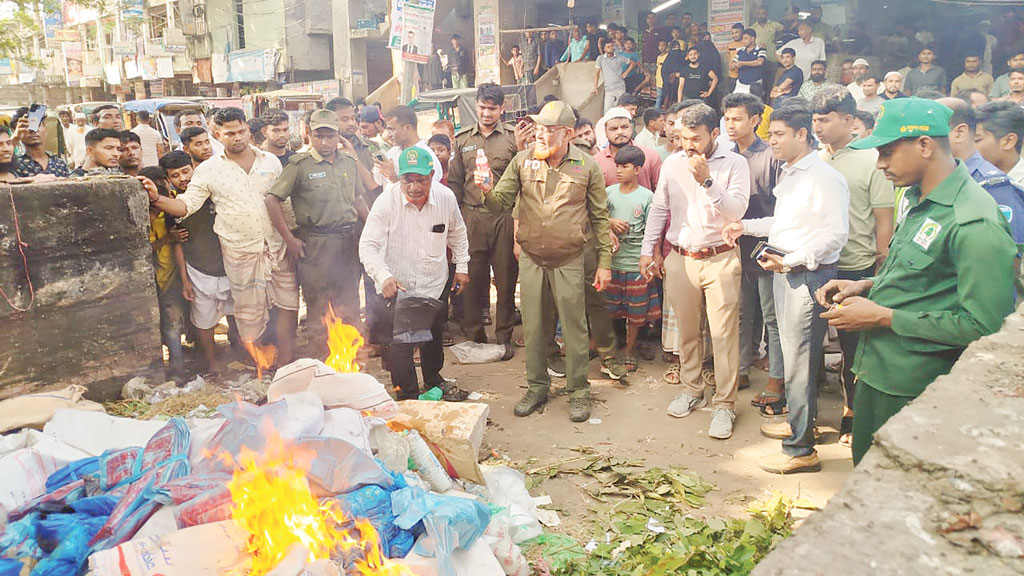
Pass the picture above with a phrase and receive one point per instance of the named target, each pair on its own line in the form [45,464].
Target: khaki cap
[555,113]
[323,119]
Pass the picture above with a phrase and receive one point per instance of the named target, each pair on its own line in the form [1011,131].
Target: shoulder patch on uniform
[1007,212]
[927,234]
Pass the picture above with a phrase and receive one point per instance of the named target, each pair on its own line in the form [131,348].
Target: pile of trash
[398,484]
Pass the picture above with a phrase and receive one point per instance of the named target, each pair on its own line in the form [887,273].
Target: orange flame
[343,341]
[263,356]
[273,503]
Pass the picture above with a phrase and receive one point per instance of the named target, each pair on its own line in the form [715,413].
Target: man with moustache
[701,192]
[561,201]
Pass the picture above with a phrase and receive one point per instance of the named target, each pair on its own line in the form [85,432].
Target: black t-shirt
[284,157]
[697,80]
[202,251]
[594,50]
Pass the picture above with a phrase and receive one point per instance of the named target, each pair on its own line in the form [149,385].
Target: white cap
[892,73]
[861,62]
[79,115]
[616,112]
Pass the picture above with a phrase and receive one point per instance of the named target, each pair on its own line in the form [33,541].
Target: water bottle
[482,166]
[426,463]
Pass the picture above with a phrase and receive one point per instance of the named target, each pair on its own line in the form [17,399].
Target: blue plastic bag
[96,505]
[73,471]
[71,555]
[373,503]
[10,567]
[451,522]
[19,538]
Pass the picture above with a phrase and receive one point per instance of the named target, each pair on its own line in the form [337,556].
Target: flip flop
[846,431]
[671,375]
[777,408]
[763,398]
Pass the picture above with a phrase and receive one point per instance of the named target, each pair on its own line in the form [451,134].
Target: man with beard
[816,82]
[893,83]
[276,133]
[703,191]
[195,141]
[130,159]
[325,190]
[973,77]
[205,285]
[255,260]
[805,237]
[560,195]
[36,160]
[861,68]
[102,152]
[491,233]
[618,128]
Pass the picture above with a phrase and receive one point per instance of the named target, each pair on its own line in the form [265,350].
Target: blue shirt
[797,75]
[750,74]
[553,50]
[25,166]
[1009,196]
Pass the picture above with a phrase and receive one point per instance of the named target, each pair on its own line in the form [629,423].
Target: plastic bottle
[483,167]
[426,463]
[392,449]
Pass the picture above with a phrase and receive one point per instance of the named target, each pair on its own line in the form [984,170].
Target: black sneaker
[530,402]
[579,409]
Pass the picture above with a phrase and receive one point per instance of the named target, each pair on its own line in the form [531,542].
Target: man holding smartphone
[30,130]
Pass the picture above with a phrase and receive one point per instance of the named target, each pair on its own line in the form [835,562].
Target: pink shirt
[698,215]
[647,176]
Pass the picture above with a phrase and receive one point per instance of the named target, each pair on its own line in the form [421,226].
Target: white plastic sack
[478,560]
[348,425]
[305,416]
[23,439]
[204,550]
[508,490]
[477,352]
[25,470]
[358,391]
[93,432]
[160,524]
[201,430]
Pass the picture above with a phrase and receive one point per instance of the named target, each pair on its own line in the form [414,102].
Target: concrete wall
[95,319]
[941,491]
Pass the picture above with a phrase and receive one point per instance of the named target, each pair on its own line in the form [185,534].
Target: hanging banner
[488,67]
[123,48]
[417,30]
[52,20]
[395,40]
[6,67]
[723,14]
[113,73]
[72,63]
[613,12]
[67,35]
[133,9]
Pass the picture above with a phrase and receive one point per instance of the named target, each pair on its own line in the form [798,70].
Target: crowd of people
[780,219]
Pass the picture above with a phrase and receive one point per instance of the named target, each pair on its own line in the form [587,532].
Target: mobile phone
[36,113]
[763,248]
[379,157]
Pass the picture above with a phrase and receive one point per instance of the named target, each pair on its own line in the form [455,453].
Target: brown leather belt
[703,253]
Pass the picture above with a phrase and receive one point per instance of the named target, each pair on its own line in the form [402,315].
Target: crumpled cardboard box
[453,430]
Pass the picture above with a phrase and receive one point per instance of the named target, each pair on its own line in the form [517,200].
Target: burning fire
[263,356]
[343,341]
[273,503]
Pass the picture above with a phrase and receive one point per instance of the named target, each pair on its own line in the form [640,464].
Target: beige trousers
[711,285]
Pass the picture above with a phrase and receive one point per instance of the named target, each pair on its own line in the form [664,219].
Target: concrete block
[95,319]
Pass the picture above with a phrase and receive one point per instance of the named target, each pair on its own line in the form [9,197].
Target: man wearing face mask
[561,201]
[704,190]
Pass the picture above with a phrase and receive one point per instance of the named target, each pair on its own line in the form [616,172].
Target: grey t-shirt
[612,69]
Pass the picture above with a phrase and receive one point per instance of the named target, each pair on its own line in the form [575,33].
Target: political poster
[417,30]
[72,63]
[723,14]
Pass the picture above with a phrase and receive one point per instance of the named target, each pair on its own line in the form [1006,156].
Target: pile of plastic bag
[122,497]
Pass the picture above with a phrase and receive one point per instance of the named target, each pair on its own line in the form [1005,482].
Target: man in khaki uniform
[325,189]
[561,201]
[491,232]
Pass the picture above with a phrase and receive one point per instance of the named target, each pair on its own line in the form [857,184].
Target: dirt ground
[629,420]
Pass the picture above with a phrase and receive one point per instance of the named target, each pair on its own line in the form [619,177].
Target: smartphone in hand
[36,114]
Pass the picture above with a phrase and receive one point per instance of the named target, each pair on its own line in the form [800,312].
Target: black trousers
[848,341]
[400,363]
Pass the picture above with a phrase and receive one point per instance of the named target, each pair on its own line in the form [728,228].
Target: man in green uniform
[948,279]
[325,187]
[561,201]
[491,233]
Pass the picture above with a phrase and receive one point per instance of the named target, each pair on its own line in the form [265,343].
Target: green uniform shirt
[558,207]
[323,193]
[500,147]
[948,279]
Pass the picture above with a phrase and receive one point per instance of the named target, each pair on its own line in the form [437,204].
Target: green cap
[323,119]
[555,113]
[906,118]
[415,160]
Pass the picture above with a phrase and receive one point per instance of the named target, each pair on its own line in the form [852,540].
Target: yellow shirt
[766,118]
[163,257]
[658,81]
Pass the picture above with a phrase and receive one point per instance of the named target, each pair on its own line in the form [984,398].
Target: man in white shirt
[260,273]
[702,192]
[152,142]
[1000,135]
[403,248]
[808,48]
[75,136]
[861,68]
[403,124]
[805,238]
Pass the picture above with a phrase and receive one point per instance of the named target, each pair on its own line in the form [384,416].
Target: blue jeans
[802,332]
[661,98]
[757,292]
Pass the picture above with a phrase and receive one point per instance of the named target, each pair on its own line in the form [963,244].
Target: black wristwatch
[707,183]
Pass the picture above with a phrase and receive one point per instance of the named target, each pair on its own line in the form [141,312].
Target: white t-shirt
[151,140]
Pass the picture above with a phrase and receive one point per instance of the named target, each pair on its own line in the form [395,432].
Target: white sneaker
[721,423]
[683,404]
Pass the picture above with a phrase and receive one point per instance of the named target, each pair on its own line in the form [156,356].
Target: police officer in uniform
[327,196]
[561,201]
[948,279]
[491,230]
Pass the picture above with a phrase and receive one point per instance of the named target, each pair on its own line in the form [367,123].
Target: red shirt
[647,175]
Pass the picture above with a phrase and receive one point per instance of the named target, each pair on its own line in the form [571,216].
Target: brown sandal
[671,375]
